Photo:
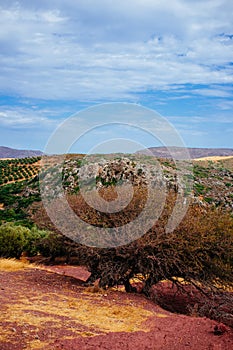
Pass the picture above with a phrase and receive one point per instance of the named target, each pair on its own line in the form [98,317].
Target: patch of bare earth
[45,310]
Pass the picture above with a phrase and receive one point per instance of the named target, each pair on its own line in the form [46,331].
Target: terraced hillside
[13,170]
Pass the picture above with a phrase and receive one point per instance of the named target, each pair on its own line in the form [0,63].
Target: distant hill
[162,152]
[7,152]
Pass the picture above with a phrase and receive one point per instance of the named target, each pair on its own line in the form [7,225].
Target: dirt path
[46,310]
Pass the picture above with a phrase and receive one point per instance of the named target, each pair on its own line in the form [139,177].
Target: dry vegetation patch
[90,311]
[214,158]
[39,313]
[10,265]
[42,310]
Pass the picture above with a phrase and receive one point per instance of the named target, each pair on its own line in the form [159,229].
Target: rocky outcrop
[101,172]
[207,185]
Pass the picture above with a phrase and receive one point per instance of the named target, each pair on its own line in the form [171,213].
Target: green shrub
[208,200]
[13,240]
[199,188]
[35,238]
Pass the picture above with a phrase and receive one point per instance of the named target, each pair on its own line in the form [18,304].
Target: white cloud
[107,51]
[21,117]
[213,92]
[226,105]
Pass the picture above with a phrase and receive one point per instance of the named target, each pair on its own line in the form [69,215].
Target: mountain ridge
[178,152]
[8,152]
[160,152]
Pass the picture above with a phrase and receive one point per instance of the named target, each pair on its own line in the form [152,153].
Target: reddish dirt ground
[46,310]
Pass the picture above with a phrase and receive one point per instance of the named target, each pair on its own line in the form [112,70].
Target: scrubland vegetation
[198,252]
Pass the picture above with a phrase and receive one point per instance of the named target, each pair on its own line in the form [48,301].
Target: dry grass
[11,265]
[213,158]
[84,314]
[4,334]
[37,344]
[6,158]
[92,312]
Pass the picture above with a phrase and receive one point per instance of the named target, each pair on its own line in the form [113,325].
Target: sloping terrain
[43,310]
[162,152]
[211,181]
[18,169]
[7,152]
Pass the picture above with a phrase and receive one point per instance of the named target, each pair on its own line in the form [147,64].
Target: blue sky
[60,57]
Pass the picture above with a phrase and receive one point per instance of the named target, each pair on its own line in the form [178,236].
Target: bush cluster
[16,239]
[13,240]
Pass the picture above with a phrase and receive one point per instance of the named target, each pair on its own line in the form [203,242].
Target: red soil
[162,330]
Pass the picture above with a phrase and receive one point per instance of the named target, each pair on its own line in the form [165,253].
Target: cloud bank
[109,50]
[57,57]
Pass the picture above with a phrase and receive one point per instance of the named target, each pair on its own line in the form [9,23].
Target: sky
[60,57]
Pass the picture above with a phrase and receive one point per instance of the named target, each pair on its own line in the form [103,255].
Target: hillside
[211,181]
[18,169]
[7,152]
[162,152]
[137,264]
